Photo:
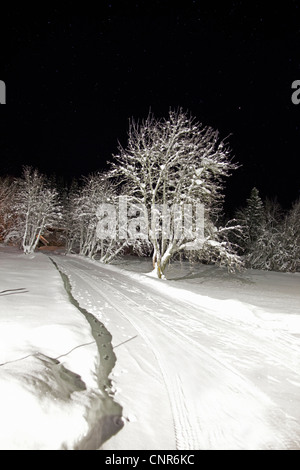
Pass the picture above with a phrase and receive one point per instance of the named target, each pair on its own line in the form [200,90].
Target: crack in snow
[110,420]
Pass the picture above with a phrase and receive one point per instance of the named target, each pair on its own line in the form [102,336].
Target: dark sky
[75,75]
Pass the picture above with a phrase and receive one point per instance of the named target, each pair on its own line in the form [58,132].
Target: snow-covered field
[204,360]
[49,362]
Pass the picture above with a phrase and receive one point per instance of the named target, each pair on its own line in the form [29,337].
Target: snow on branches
[172,162]
[32,208]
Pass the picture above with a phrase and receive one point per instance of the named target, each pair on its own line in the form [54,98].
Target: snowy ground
[205,360]
[49,361]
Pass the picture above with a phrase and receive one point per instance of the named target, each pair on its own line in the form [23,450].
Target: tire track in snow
[189,435]
[185,433]
[188,430]
[270,349]
[236,333]
[182,428]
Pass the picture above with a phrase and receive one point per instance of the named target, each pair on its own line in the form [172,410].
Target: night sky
[75,75]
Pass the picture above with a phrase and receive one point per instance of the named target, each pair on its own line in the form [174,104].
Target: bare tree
[36,208]
[7,196]
[289,255]
[82,217]
[171,164]
[277,247]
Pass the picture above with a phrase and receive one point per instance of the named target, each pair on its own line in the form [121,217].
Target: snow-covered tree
[289,254]
[94,192]
[170,165]
[270,248]
[85,211]
[261,253]
[36,208]
[69,222]
[7,196]
[271,237]
[255,215]
[252,220]
[219,247]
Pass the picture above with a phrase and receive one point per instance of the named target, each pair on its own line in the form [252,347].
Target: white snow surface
[43,405]
[204,360]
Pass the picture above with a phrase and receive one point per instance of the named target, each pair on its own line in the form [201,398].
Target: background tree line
[167,162]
